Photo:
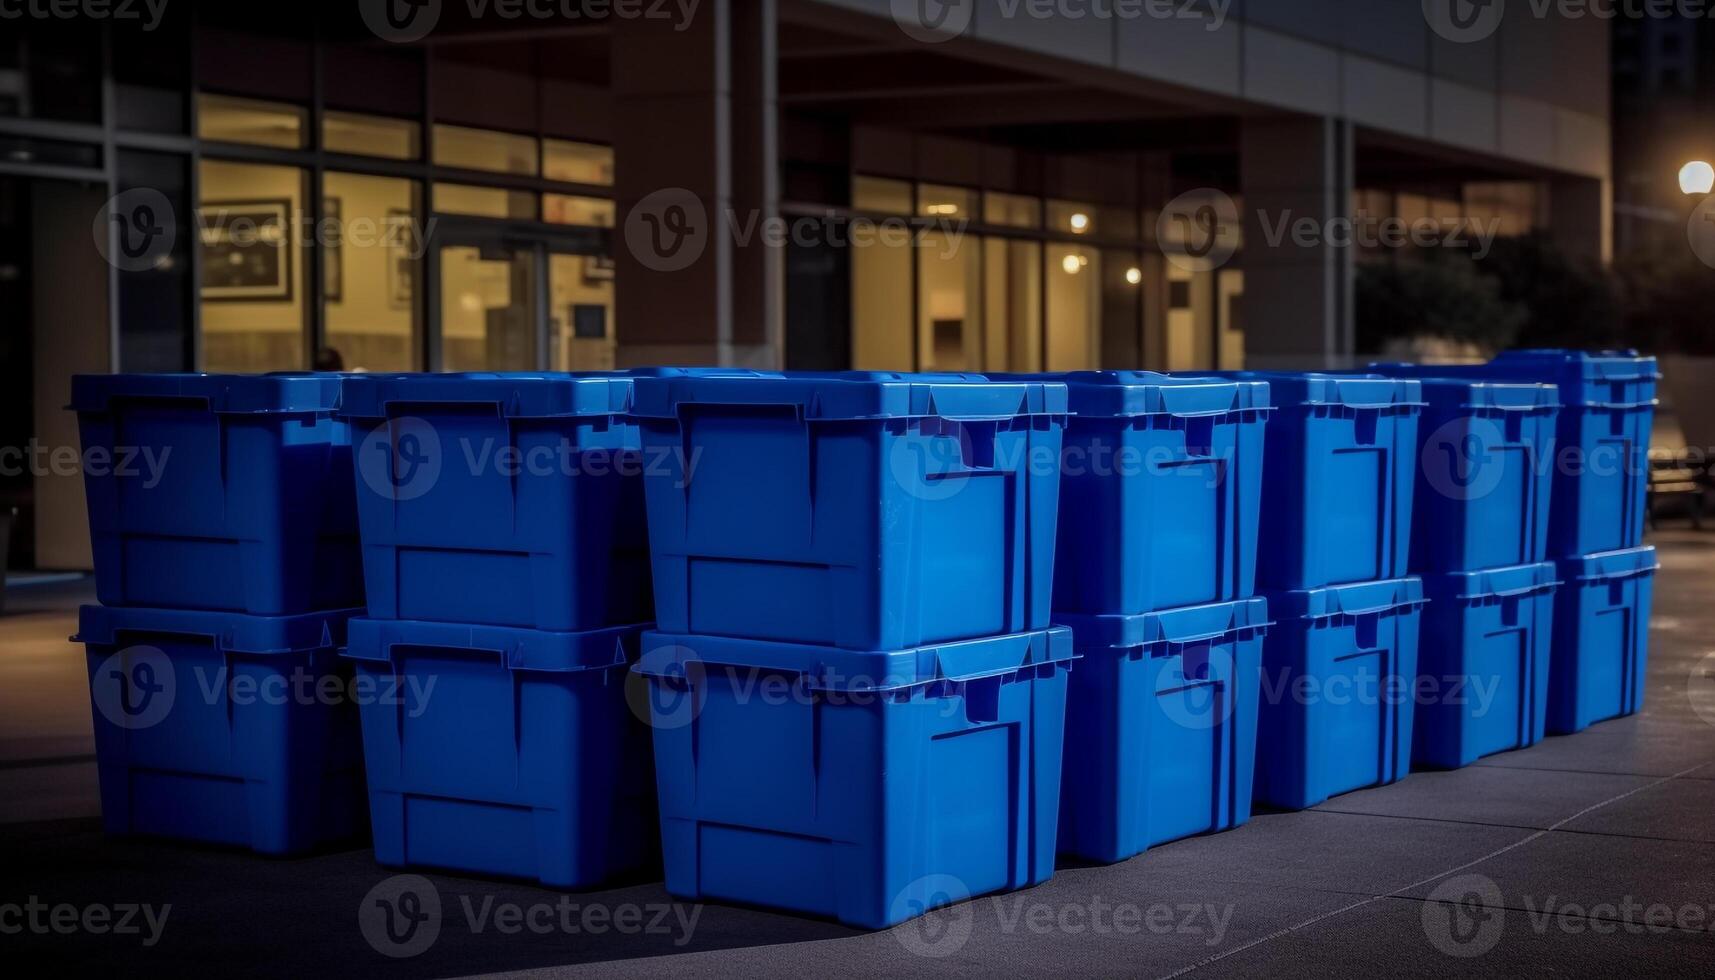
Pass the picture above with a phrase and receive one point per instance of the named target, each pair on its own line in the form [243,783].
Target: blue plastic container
[1161,481]
[864,787]
[505,752]
[1601,638]
[1338,677]
[224,728]
[1160,727]
[500,499]
[1601,459]
[1483,664]
[1341,459]
[1484,475]
[867,511]
[219,492]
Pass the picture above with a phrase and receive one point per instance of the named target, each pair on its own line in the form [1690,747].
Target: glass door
[488,308]
[580,311]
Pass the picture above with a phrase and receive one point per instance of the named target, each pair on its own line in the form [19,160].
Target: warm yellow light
[942,209]
[1134,275]
[1696,177]
[1079,221]
[1071,264]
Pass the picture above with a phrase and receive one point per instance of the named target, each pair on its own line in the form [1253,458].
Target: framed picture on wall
[402,255]
[246,251]
[589,321]
[333,256]
[598,268]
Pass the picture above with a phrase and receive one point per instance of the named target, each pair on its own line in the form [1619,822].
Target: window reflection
[250,220]
[371,257]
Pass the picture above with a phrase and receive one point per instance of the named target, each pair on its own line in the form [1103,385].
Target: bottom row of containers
[865,787]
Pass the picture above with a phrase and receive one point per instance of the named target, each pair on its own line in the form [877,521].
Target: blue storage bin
[1161,729]
[1341,459]
[1161,481]
[1484,474]
[223,727]
[864,787]
[1601,460]
[1601,638]
[1483,664]
[868,511]
[500,499]
[505,751]
[1338,677]
[251,509]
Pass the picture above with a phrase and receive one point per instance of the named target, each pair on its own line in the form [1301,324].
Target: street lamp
[1697,178]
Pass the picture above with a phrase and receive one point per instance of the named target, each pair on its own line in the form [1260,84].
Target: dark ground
[1612,829]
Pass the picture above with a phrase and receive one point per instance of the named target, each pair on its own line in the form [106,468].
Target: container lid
[834,669]
[232,632]
[512,395]
[1491,582]
[1459,386]
[853,395]
[1348,391]
[1614,378]
[1353,599]
[514,648]
[1625,563]
[286,392]
[1187,624]
[1124,394]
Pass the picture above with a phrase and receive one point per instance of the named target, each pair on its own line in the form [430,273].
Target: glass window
[578,163]
[1074,307]
[568,209]
[485,149]
[1122,310]
[154,303]
[1068,217]
[50,74]
[252,290]
[371,254]
[580,322]
[881,304]
[881,195]
[939,201]
[949,301]
[1012,305]
[228,119]
[488,320]
[485,202]
[371,136]
[1012,210]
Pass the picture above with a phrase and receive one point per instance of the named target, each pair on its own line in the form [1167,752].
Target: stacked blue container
[505,553]
[224,536]
[1340,666]
[857,702]
[1479,539]
[1156,566]
[1595,526]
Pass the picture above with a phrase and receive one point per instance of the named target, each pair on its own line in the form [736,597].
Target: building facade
[883,184]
